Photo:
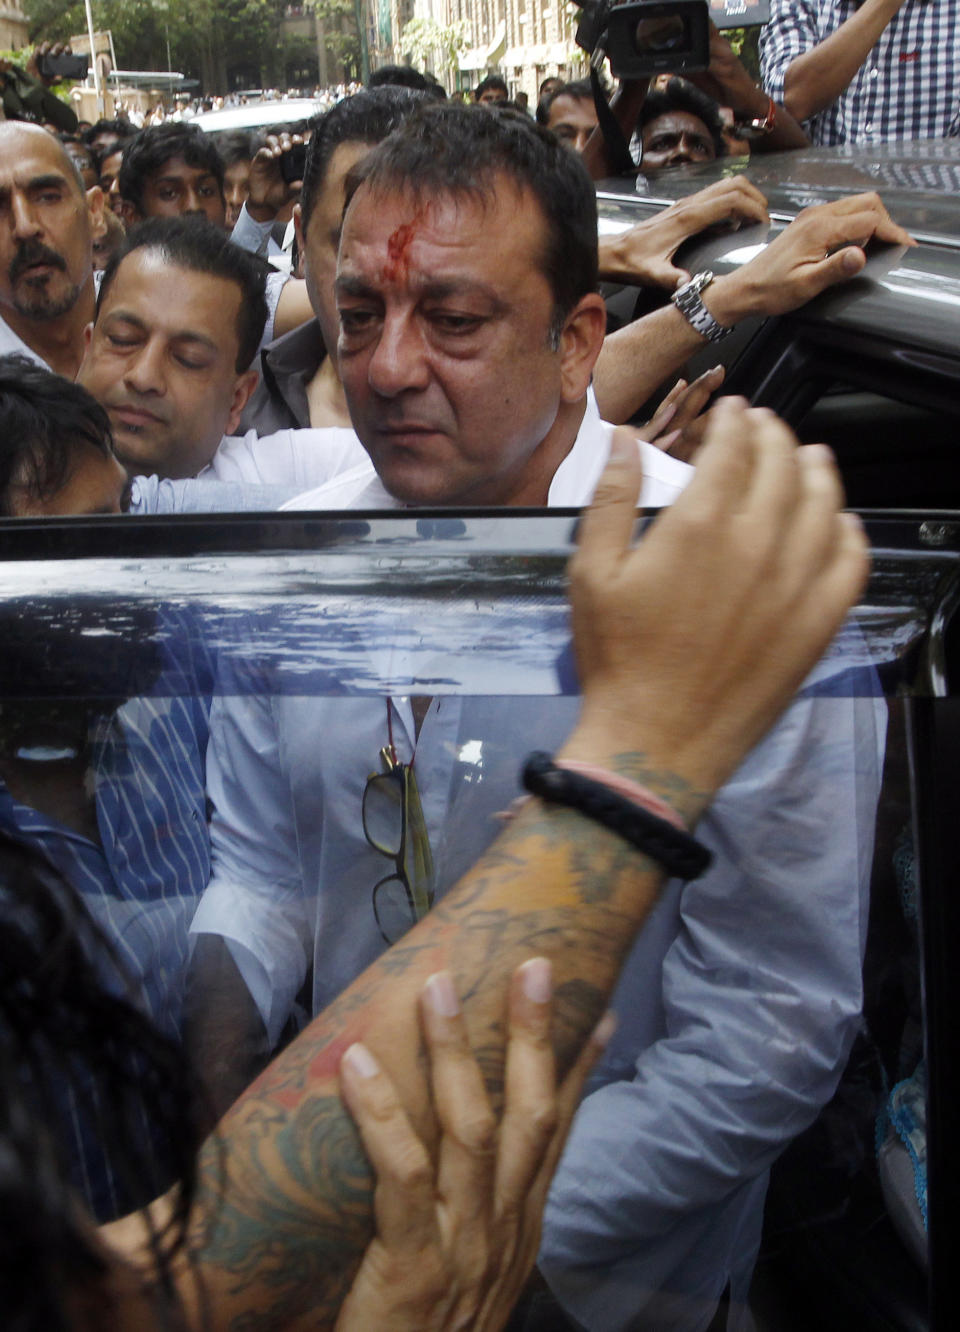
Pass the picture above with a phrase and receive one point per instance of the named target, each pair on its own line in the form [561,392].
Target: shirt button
[868,127]
[874,73]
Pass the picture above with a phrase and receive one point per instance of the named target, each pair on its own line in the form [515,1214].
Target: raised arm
[753,555]
[820,72]
[625,104]
[728,83]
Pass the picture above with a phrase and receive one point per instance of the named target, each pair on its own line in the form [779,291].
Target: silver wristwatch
[688,302]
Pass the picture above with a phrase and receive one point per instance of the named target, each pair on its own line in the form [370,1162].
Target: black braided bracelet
[680,854]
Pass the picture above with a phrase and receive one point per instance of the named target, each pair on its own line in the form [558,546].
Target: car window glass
[289,653]
[891,451]
[847,1200]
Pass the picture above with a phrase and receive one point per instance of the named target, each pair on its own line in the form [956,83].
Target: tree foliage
[434,45]
[745,43]
[340,30]
[223,43]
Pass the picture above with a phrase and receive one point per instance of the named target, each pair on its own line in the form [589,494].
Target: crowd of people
[225,930]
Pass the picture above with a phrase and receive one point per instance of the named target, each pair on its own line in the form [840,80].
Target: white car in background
[259,115]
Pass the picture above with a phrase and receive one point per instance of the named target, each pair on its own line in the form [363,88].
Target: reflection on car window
[846,1215]
[197,752]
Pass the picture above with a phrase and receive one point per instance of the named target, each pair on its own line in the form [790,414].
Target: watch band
[688,302]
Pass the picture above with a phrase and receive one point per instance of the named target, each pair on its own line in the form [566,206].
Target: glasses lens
[383,812]
[393,908]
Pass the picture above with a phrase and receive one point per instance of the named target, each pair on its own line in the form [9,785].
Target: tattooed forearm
[686,800]
[264,1230]
[283,1241]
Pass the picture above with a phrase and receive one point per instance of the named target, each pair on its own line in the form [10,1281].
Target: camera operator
[692,46]
[24,91]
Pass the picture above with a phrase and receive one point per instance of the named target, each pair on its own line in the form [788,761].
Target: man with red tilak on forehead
[469,327]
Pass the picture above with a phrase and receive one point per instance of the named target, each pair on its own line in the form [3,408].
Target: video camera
[646,37]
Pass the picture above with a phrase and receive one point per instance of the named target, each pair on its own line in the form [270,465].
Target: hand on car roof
[822,246]
[644,254]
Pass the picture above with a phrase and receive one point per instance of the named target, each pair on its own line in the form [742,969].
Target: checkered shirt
[907,88]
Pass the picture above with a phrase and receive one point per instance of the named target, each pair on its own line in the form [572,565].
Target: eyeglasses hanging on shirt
[394,825]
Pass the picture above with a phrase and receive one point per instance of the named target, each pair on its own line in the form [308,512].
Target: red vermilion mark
[397,267]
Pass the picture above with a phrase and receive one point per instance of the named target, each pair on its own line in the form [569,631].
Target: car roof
[257,115]
[918,181]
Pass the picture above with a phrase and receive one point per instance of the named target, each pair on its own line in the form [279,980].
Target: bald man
[46,248]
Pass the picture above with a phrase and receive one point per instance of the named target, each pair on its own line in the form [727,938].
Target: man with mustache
[47,226]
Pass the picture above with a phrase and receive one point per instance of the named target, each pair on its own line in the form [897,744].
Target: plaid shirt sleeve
[792,29]
[908,86]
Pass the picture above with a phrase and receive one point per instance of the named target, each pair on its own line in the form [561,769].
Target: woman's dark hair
[679,95]
[367,117]
[153,147]
[197,245]
[43,418]
[60,1025]
[453,151]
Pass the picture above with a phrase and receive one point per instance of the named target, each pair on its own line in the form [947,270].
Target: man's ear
[95,207]
[242,390]
[301,243]
[580,343]
[87,339]
[129,213]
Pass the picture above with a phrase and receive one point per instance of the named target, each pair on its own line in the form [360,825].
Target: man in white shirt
[469,330]
[169,355]
[179,318]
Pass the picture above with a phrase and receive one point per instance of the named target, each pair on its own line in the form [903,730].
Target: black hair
[679,95]
[579,89]
[453,151]
[491,81]
[151,148]
[68,141]
[43,419]
[101,155]
[235,146]
[122,128]
[197,245]
[62,1026]
[366,117]
[405,76]
[76,141]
